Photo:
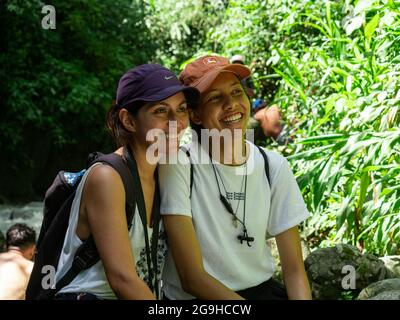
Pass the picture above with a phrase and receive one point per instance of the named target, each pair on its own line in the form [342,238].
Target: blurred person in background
[266,121]
[16,263]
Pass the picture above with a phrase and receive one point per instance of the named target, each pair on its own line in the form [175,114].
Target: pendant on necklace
[235,221]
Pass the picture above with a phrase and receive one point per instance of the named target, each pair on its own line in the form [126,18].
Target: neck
[146,170]
[234,153]
[15,250]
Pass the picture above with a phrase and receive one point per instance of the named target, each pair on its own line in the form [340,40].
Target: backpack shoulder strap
[266,163]
[119,164]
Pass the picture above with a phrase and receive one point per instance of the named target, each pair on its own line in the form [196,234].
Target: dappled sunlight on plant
[333,68]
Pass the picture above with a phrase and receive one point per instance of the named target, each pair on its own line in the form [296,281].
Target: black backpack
[57,207]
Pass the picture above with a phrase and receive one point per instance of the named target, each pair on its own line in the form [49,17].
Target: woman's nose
[175,122]
[228,103]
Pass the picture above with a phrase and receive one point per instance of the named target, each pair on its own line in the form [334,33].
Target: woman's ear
[194,116]
[127,120]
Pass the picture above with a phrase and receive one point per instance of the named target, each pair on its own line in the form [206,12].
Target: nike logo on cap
[209,60]
[167,78]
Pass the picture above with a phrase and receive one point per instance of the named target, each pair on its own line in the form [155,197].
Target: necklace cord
[228,206]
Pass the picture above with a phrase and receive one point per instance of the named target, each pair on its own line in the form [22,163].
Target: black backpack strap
[266,163]
[87,255]
[187,152]
[119,164]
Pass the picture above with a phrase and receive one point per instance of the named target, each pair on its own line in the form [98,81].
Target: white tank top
[94,279]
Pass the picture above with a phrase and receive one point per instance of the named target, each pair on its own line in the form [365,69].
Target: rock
[26,212]
[2,242]
[393,264]
[342,271]
[30,214]
[305,249]
[5,211]
[21,213]
[387,295]
[379,288]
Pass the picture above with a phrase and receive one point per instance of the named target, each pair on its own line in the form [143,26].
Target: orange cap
[202,72]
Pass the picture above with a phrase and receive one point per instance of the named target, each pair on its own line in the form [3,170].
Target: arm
[104,202]
[188,260]
[294,275]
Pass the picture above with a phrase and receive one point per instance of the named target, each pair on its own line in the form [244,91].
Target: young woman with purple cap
[148,97]
[220,208]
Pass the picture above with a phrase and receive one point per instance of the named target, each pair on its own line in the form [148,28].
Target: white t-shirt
[94,280]
[268,213]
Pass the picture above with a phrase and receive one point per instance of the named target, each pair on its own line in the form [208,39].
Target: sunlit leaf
[371,26]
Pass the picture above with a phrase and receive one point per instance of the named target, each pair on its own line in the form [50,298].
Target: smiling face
[224,105]
[169,117]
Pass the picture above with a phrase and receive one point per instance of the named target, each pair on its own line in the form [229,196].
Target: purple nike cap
[151,83]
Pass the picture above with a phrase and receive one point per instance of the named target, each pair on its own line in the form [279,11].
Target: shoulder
[175,176]
[13,273]
[276,162]
[178,162]
[3,257]
[102,174]
[28,266]
[16,264]
[103,181]
[274,158]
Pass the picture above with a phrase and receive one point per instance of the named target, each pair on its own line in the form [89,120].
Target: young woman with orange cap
[221,205]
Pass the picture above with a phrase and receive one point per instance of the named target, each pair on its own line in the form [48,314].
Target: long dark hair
[114,125]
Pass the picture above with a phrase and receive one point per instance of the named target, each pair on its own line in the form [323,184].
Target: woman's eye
[214,98]
[160,110]
[237,92]
[182,109]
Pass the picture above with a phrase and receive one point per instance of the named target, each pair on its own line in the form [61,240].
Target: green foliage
[339,66]
[59,83]
[54,75]
[179,28]
[349,160]
[333,67]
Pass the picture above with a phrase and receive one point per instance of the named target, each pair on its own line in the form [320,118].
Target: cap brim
[192,95]
[241,71]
